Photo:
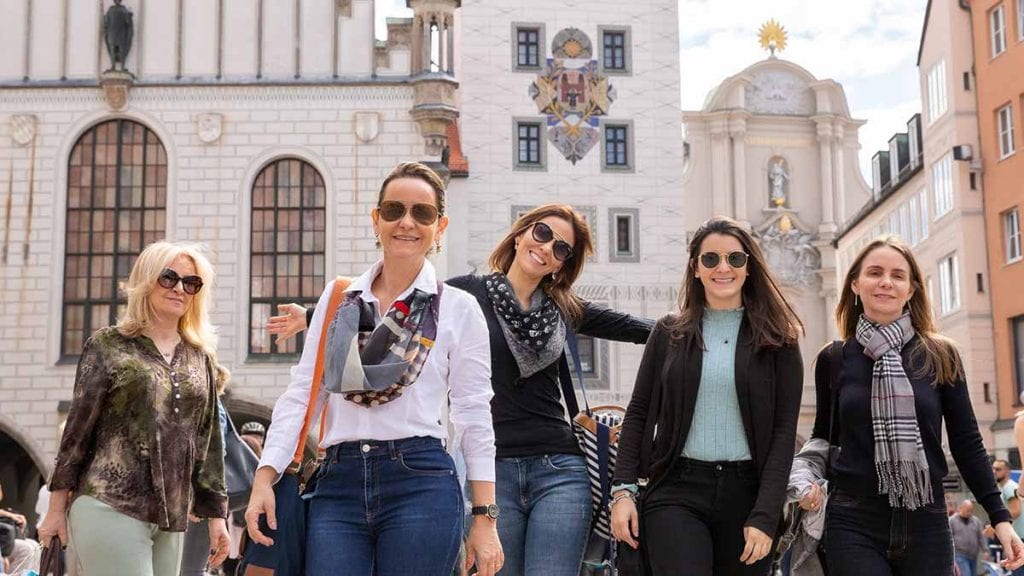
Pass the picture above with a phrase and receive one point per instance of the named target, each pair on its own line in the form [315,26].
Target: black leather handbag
[240,464]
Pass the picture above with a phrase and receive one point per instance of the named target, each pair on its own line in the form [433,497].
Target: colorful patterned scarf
[374,364]
[899,453]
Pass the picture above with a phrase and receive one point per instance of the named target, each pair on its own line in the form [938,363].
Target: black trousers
[863,535]
[693,519]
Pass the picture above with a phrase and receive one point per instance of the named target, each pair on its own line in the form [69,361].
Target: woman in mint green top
[712,421]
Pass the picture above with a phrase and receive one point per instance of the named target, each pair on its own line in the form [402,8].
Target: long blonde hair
[194,326]
[939,352]
[560,288]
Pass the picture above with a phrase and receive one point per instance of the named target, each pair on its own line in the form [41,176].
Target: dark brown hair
[940,357]
[772,320]
[560,289]
[420,172]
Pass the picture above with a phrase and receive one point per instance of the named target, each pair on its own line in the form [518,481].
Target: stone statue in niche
[777,178]
[118,30]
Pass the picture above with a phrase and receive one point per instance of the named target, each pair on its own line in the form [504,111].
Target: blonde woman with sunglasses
[142,447]
[387,500]
[712,421]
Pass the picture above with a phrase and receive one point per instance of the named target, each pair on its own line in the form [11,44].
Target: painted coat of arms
[573,94]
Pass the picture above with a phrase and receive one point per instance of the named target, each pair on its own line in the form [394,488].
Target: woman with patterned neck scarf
[529,304]
[712,420]
[897,381]
[387,499]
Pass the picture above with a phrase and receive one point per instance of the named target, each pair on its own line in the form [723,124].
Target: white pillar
[738,131]
[825,155]
[721,169]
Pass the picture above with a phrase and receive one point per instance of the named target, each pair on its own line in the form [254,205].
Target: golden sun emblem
[773,36]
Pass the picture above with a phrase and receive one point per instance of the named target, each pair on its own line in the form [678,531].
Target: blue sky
[868,46]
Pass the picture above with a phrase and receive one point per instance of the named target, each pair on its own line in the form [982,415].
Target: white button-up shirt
[459,362]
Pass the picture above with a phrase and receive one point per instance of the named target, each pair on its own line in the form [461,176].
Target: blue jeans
[863,535]
[967,566]
[385,508]
[545,514]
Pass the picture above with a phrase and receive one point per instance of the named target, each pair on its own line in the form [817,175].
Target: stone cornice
[353,93]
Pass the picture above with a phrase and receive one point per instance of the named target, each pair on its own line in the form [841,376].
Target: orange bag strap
[340,285]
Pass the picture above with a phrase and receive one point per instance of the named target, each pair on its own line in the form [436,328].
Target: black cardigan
[529,419]
[854,470]
[769,383]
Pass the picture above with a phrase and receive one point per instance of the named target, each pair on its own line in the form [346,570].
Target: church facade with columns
[776,148]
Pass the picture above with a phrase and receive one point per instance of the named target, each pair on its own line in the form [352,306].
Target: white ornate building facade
[263,129]
[776,149]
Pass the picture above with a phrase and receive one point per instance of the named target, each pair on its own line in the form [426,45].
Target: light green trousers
[108,542]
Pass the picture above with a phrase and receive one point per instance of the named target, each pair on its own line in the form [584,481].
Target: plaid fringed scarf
[899,454]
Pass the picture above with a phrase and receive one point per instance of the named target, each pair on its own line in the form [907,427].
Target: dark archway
[20,479]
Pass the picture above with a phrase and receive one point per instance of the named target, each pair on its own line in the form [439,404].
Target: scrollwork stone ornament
[790,253]
[23,128]
[209,127]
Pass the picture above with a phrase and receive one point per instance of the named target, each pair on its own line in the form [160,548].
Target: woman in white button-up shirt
[387,500]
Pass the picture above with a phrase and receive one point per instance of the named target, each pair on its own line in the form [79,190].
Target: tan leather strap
[340,285]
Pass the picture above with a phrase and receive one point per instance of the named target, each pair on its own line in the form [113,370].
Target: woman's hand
[626,521]
[261,501]
[291,322]
[1013,549]
[220,541]
[56,521]
[758,545]
[812,500]
[483,547]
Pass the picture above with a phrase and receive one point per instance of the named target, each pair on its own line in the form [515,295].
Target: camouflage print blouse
[141,435]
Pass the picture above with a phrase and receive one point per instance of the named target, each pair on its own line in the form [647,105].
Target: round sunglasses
[543,234]
[735,259]
[392,210]
[169,279]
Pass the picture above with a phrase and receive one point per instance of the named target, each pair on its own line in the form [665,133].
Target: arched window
[287,258]
[117,197]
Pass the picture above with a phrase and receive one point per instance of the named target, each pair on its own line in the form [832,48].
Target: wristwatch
[491,511]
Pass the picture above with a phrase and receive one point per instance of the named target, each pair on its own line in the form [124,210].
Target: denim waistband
[737,466]
[391,448]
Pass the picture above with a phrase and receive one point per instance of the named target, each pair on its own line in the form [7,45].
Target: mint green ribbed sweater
[716,433]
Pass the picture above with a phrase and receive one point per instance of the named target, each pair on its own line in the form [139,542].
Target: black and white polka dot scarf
[535,336]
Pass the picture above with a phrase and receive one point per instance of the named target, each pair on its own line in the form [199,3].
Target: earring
[553,278]
[437,246]
[376,236]
[856,299]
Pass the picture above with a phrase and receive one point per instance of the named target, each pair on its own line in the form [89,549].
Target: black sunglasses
[736,259]
[543,233]
[392,210]
[169,279]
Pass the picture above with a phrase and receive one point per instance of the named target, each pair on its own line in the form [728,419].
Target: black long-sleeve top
[854,470]
[529,419]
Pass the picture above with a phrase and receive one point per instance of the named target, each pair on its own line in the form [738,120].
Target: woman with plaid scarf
[897,382]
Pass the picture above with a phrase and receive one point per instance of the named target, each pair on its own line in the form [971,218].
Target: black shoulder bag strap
[835,360]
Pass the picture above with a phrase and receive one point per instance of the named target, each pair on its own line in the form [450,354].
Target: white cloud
[868,46]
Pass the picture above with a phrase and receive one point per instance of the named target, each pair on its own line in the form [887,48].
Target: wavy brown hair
[560,289]
[773,321]
[937,352]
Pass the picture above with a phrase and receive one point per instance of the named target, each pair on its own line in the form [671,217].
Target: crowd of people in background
[705,454]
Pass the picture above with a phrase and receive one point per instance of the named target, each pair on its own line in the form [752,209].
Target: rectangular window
[527,48]
[911,207]
[529,143]
[614,50]
[942,185]
[625,235]
[937,100]
[922,197]
[949,285]
[1011,231]
[617,147]
[997,29]
[905,223]
[894,224]
[1004,117]
[1018,352]
[588,355]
